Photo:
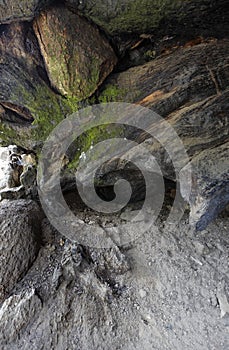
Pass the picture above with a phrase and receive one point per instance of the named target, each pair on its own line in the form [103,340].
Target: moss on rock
[128,16]
[111,93]
[77,57]
[89,139]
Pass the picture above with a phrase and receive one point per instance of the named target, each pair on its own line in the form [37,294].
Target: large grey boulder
[19,244]
[15,313]
[210,185]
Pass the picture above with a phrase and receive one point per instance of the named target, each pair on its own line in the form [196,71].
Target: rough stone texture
[174,296]
[11,10]
[78,58]
[188,87]
[195,21]
[15,313]
[19,230]
[12,193]
[196,124]
[125,15]
[210,185]
[29,108]
[167,289]
[174,80]
[110,261]
[128,16]
[11,167]
[20,59]
[25,94]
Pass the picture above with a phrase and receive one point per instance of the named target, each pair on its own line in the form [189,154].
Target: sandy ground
[174,295]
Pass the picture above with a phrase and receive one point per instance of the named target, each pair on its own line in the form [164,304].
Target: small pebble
[142,293]
[62,242]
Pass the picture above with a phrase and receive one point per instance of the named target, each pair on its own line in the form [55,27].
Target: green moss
[88,84]
[59,64]
[91,138]
[68,81]
[111,94]
[149,55]
[102,132]
[134,16]
[71,104]
[7,134]
[48,110]
[71,70]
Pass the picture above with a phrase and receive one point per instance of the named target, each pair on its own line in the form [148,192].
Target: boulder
[77,56]
[20,231]
[210,185]
[189,88]
[29,108]
[15,313]
[176,79]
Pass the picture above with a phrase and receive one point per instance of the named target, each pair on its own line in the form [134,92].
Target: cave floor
[174,296]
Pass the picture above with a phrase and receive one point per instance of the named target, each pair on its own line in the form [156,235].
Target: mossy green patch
[7,134]
[87,140]
[47,109]
[69,79]
[133,16]
[50,110]
[149,55]
[111,93]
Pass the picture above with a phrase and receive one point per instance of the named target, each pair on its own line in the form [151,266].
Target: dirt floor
[167,290]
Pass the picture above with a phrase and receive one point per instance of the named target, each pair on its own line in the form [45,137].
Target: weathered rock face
[190,89]
[123,16]
[25,95]
[20,59]
[4,156]
[193,24]
[185,76]
[127,16]
[167,289]
[210,187]
[77,57]
[20,10]
[196,125]
[20,231]
[76,65]
[16,313]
